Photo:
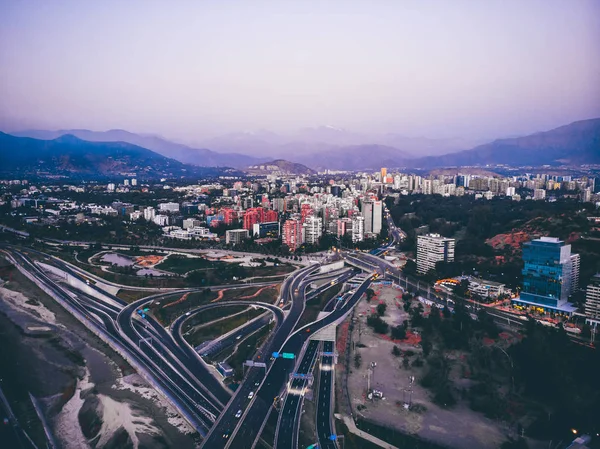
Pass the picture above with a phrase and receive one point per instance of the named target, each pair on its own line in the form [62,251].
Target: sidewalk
[349,422]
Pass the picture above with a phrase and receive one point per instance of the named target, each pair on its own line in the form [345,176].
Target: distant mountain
[574,144]
[182,153]
[69,155]
[355,157]
[280,166]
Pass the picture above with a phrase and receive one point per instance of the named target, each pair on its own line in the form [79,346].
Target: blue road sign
[333,437]
[275,355]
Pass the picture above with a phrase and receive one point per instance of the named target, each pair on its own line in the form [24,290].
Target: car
[238,413]
[188,313]
[256,384]
[238,337]
[251,395]
[226,434]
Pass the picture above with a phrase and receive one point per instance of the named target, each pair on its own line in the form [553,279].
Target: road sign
[146,309]
[275,355]
[288,355]
[333,437]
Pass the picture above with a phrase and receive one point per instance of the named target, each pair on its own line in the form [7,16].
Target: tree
[396,351]
[410,268]
[378,325]
[370,293]
[405,362]
[398,332]
[357,360]
[381,308]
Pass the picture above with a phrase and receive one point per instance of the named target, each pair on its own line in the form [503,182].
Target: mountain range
[70,156]
[333,148]
[183,153]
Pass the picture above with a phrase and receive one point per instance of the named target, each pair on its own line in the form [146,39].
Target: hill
[69,155]
[575,144]
[280,166]
[183,153]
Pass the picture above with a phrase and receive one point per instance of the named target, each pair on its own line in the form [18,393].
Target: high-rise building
[236,236]
[126,182]
[169,207]
[575,264]
[367,213]
[344,226]
[592,301]
[149,214]
[383,174]
[433,248]
[539,194]
[358,228]
[313,229]
[292,234]
[547,273]
[110,187]
[134,182]
[372,211]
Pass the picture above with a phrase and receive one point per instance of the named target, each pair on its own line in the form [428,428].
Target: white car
[251,395]
[239,413]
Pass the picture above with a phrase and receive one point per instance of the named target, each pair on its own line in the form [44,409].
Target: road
[288,425]
[278,374]
[292,293]
[324,417]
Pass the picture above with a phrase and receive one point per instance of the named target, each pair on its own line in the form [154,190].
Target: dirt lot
[458,427]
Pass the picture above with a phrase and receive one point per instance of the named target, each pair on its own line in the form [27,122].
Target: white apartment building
[110,187]
[313,229]
[592,301]
[236,236]
[433,248]
[575,264]
[539,194]
[358,228]
[149,213]
[161,220]
[168,207]
[134,182]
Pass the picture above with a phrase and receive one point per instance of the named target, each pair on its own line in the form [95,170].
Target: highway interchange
[227,419]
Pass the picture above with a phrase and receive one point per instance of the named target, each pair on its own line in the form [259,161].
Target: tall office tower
[313,229]
[383,174]
[377,216]
[358,228]
[575,264]
[134,182]
[592,301]
[367,213]
[547,272]
[126,182]
[510,191]
[433,248]
[344,226]
[292,234]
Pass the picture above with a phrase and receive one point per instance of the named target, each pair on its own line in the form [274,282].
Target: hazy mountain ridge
[69,155]
[183,153]
[577,143]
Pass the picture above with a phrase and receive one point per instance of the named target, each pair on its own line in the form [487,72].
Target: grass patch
[221,327]
[311,312]
[174,306]
[130,296]
[182,264]
[247,348]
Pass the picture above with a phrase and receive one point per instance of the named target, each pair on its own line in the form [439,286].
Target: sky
[193,69]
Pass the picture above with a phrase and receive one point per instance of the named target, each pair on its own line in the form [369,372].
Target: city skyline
[192,72]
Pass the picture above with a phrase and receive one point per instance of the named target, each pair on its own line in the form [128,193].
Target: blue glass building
[547,274]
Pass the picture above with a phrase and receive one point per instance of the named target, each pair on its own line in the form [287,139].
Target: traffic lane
[324,421]
[289,415]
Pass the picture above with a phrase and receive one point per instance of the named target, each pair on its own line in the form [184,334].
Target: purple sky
[194,69]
